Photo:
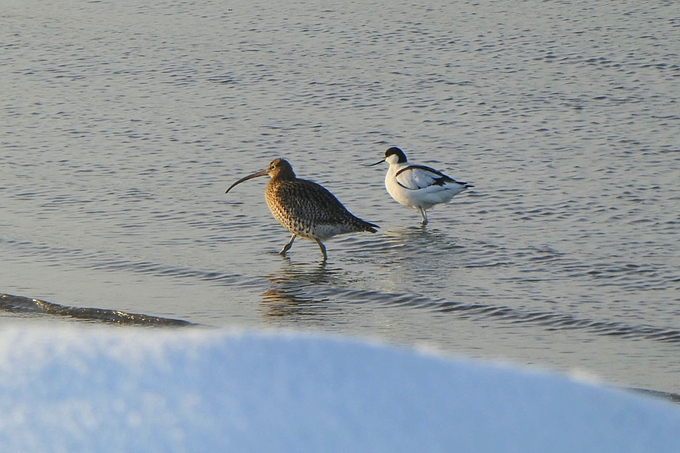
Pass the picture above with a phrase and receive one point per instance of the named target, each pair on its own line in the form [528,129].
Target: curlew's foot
[287,246]
[323,250]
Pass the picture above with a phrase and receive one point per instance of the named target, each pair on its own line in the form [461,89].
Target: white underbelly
[422,198]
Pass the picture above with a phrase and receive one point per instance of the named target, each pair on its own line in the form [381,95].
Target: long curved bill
[254,175]
[372,165]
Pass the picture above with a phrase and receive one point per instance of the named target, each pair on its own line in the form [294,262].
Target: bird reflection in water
[423,258]
[419,245]
[298,294]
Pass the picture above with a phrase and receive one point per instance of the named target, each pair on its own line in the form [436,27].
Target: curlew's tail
[368,226]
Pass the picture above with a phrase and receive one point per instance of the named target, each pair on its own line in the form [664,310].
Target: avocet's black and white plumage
[418,186]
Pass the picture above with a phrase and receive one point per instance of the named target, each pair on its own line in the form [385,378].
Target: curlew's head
[281,169]
[393,155]
[278,169]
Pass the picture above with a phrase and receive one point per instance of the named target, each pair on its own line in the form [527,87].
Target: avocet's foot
[423,214]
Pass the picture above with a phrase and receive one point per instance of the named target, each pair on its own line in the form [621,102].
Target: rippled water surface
[122,124]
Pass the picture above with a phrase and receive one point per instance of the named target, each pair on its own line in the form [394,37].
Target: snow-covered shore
[106,390]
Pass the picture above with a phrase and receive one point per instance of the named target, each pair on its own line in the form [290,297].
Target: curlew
[418,186]
[305,208]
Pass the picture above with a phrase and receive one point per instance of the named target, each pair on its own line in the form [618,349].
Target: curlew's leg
[424,216]
[323,249]
[287,246]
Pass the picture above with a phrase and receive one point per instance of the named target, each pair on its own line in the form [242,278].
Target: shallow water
[123,124]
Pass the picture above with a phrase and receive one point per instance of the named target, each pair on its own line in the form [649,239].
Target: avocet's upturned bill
[418,186]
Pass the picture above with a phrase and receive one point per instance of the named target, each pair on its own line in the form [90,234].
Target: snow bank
[151,391]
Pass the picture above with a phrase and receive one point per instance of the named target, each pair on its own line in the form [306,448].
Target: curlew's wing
[309,200]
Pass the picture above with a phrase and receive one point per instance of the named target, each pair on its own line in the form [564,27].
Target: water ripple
[99,261]
[304,288]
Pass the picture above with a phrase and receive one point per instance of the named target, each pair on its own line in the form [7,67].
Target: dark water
[123,124]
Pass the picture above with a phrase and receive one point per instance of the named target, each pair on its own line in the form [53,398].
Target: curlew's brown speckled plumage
[306,208]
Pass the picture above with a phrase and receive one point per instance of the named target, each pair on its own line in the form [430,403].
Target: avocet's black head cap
[401,157]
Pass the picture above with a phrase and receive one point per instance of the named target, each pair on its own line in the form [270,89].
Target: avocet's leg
[323,249]
[287,246]
[423,214]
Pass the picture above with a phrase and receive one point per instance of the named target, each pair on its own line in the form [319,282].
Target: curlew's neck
[284,174]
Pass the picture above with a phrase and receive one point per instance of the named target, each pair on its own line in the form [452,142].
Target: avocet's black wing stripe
[420,167]
[415,177]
